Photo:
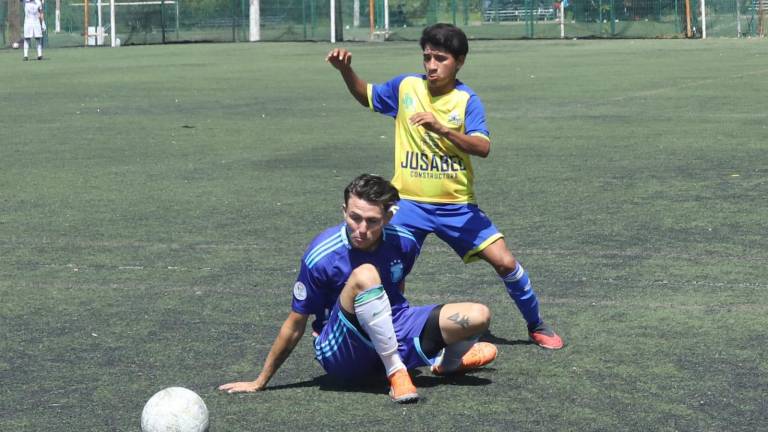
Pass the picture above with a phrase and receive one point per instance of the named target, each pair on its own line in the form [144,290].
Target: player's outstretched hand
[340,58]
[241,387]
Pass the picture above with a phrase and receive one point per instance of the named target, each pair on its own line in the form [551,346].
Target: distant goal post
[93,35]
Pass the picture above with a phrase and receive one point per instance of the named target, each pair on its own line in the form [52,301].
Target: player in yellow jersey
[439,125]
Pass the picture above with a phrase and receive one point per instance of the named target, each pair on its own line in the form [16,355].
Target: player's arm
[341,59]
[290,333]
[471,144]
[41,16]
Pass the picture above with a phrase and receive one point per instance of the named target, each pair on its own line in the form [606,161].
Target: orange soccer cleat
[402,389]
[543,336]
[478,356]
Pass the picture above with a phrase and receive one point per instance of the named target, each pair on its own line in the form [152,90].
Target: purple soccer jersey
[341,348]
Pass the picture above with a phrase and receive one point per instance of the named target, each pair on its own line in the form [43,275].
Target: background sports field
[155,201]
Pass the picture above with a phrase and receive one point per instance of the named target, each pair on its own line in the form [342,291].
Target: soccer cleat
[402,389]
[39,57]
[543,336]
[481,354]
[26,58]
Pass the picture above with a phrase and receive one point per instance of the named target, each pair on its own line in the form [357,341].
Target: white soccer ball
[174,409]
[15,45]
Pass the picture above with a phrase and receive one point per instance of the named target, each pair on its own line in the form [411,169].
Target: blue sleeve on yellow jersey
[385,97]
[474,120]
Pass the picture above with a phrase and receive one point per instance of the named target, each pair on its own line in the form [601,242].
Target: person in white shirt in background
[34,26]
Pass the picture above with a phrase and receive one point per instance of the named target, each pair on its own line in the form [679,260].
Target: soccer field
[155,202]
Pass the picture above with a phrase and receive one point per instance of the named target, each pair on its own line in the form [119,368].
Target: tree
[13,20]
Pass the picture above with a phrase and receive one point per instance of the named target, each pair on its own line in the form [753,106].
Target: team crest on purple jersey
[396,271]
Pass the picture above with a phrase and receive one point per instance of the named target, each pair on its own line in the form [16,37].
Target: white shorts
[33,29]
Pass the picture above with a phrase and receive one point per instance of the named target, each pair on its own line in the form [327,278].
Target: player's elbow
[484,151]
[480,145]
[361,94]
[294,325]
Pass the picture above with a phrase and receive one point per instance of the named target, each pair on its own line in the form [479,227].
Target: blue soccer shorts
[464,227]
[345,352]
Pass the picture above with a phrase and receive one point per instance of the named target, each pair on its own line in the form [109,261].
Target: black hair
[445,37]
[374,189]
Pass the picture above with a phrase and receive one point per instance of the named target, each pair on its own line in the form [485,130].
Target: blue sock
[519,288]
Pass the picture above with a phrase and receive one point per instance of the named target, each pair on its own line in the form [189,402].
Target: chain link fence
[88,22]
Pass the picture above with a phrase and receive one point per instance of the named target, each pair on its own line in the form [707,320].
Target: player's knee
[363,277]
[477,315]
[482,316]
[505,265]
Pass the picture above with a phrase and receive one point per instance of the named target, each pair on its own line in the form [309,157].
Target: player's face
[365,221]
[441,69]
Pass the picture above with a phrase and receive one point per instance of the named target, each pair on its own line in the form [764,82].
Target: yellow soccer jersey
[428,167]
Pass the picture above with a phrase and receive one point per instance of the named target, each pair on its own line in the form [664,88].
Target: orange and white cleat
[481,354]
[402,389]
[543,336]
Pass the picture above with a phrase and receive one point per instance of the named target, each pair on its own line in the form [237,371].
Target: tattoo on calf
[461,321]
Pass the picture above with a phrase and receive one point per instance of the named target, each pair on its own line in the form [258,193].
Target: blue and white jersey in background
[330,259]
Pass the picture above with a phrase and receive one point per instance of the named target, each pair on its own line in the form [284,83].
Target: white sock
[451,358]
[39,47]
[375,316]
[26,47]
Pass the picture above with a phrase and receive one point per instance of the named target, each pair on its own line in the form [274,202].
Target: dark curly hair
[445,37]
[374,189]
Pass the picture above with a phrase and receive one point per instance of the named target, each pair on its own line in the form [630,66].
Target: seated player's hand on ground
[241,387]
[339,58]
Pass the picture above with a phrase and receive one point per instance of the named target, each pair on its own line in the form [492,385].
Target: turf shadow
[376,385]
[496,340]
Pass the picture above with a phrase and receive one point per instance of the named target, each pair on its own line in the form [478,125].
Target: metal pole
[333,21]
[313,17]
[99,26]
[386,16]
[600,8]
[162,20]
[703,20]
[370,16]
[255,21]
[57,24]
[233,12]
[530,19]
[562,20]
[112,30]
[85,21]
[677,18]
